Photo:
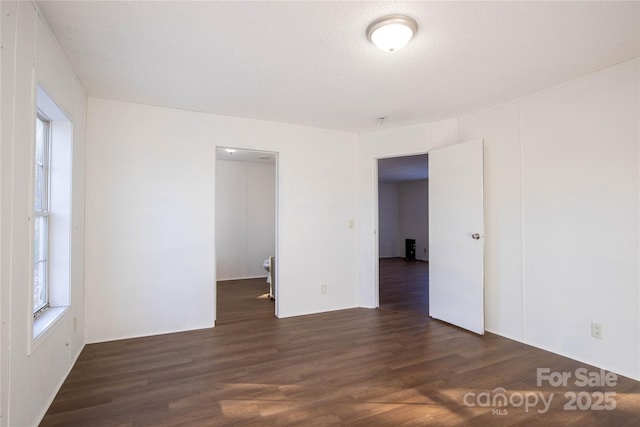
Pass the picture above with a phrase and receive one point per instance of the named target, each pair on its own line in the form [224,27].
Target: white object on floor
[267,266]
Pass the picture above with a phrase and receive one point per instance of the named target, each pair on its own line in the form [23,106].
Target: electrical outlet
[323,289]
[596,330]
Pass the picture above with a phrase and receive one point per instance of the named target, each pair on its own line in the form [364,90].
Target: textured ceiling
[310,63]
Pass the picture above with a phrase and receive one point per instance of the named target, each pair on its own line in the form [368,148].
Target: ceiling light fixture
[393,32]
[230,150]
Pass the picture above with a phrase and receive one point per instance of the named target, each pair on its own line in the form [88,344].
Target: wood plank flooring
[359,367]
[246,299]
[404,286]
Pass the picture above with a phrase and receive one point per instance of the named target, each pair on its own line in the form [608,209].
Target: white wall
[561,212]
[245,218]
[403,214]
[414,215]
[562,195]
[150,216]
[389,220]
[149,219]
[30,54]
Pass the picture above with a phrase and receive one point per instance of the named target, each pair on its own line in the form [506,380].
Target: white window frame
[56,208]
[43,212]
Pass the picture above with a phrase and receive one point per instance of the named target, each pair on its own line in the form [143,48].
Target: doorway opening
[245,235]
[403,234]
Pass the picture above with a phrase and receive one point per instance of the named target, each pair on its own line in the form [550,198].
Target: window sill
[43,322]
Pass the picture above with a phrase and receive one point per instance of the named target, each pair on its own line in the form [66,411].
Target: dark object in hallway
[409,249]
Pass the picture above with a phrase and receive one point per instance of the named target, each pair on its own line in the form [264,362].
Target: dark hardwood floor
[357,367]
[246,299]
[404,286]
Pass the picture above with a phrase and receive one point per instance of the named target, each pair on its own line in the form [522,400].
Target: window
[41,216]
[51,241]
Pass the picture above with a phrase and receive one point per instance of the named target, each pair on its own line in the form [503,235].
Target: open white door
[456,235]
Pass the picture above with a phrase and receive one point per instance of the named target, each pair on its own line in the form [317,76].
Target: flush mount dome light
[230,150]
[392,32]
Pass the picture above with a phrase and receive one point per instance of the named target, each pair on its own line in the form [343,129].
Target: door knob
[475,236]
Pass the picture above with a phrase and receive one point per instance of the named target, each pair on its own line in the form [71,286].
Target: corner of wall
[25,392]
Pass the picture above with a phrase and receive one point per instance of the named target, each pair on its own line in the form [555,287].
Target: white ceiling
[310,63]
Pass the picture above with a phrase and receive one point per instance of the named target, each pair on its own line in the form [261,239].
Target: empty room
[150,274]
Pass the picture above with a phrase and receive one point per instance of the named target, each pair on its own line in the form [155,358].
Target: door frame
[376,223]
[376,220]
[276,154]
